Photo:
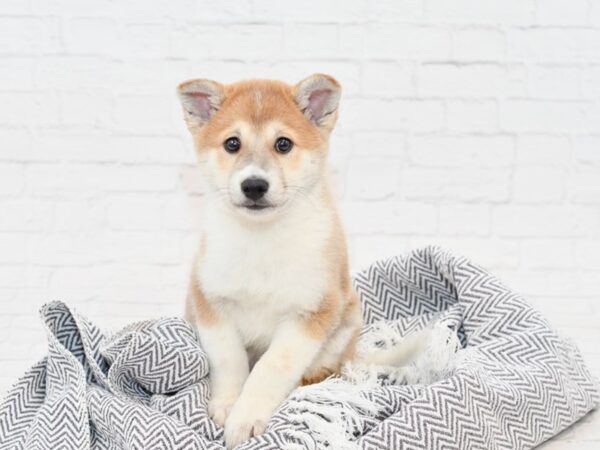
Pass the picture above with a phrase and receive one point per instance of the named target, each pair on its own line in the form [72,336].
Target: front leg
[226,354]
[274,376]
[228,367]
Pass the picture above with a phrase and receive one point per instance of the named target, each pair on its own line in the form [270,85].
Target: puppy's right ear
[318,97]
[200,100]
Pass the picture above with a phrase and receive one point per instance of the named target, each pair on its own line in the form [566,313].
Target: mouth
[256,207]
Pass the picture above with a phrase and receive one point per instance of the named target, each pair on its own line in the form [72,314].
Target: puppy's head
[262,144]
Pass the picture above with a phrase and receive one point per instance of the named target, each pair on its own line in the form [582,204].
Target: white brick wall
[475,125]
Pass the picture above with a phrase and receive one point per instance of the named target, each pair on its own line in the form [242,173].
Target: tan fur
[340,305]
[276,103]
[205,313]
[352,314]
[317,377]
[200,310]
[320,323]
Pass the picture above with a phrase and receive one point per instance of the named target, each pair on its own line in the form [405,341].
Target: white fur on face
[258,159]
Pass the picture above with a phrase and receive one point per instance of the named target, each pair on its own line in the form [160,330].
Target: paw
[245,421]
[219,407]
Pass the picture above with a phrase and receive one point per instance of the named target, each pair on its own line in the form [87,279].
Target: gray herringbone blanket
[517,382]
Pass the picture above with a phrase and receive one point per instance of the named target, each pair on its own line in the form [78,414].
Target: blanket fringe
[332,413]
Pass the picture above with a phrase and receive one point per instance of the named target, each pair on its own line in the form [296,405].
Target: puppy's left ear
[200,100]
[318,97]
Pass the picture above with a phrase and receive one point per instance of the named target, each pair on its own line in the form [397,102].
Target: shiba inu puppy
[270,290]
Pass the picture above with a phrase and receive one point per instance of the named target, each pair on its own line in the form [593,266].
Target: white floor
[583,435]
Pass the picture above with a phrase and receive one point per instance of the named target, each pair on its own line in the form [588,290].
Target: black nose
[255,188]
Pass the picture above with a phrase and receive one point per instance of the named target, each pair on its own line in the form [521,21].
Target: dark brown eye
[232,145]
[283,145]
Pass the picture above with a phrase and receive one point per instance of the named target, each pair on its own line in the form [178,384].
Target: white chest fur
[262,274]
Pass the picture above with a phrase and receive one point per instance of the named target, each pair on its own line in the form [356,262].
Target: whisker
[301,193]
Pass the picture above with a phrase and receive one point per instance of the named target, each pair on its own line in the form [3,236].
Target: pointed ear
[200,100]
[318,97]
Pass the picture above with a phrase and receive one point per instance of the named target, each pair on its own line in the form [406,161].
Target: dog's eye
[232,145]
[283,145]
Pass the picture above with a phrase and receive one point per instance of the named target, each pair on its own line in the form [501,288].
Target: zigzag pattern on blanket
[146,388]
[519,382]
